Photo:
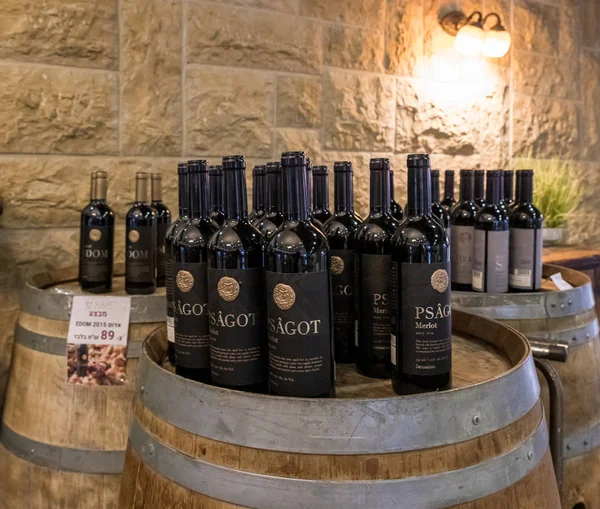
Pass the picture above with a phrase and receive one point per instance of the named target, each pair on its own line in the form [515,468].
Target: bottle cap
[449,173]
[142,175]
[274,167]
[418,161]
[182,168]
[100,174]
[156,176]
[259,170]
[197,166]
[435,173]
[215,171]
[466,172]
[479,173]
[345,166]
[320,170]
[234,163]
[379,163]
[290,159]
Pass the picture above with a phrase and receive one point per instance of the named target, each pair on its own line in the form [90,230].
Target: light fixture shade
[470,40]
[497,43]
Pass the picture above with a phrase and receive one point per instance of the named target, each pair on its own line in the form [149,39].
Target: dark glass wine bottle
[479,188]
[517,193]
[163,221]
[190,291]
[320,203]
[172,232]
[448,202]
[236,291]
[372,255]
[526,224]
[395,208]
[339,230]
[422,326]
[273,217]
[463,230]
[215,180]
[490,242]
[96,239]
[140,242]
[436,207]
[501,203]
[509,179]
[259,178]
[300,333]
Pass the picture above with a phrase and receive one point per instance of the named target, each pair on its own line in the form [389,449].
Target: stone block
[78,32]
[58,110]
[591,106]
[495,119]
[246,38]
[368,13]
[590,24]
[403,36]
[298,101]
[358,111]
[306,140]
[570,35]
[354,48]
[538,27]
[151,77]
[229,112]
[544,128]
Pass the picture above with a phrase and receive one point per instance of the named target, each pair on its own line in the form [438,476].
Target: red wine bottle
[436,207]
[258,194]
[215,176]
[479,188]
[395,208]
[163,221]
[448,202]
[273,217]
[422,326]
[320,208]
[509,179]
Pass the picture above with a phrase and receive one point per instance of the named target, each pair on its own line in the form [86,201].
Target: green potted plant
[556,193]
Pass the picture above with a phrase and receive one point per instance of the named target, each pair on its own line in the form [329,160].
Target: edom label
[236,321]
[140,254]
[96,251]
[299,333]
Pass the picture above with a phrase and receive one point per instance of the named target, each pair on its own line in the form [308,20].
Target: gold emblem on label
[185,281]
[337,265]
[134,236]
[228,289]
[439,280]
[95,235]
[284,296]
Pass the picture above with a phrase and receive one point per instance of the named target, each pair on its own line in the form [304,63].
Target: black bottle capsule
[509,193]
[163,221]
[273,217]
[215,179]
[422,322]
[448,202]
[320,203]
[259,178]
[479,188]
[395,207]
[372,255]
[436,207]
[501,187]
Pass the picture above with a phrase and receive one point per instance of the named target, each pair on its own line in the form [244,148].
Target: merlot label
[490,261]
[424,318]
[462,254]
[140,249]
[190,306]
[299,333]
[236,320]
[161,233]
[342,282]
[525,259]
[374,301]
[96,253]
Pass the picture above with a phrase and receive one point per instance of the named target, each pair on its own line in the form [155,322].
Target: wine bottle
[339,230]
[300,335]
[273,217]
[490,242]
[172,232]
[236,291]
[140,242]
[462,219]
[448,202]
[372,254]
[258,194]
[395,208]
[215,180]
[509,179]
[501,203]
[437,209]
[96,239]
[320,208]
[190,292]
[479,188]
[422,326]
[163,221]
[526,223]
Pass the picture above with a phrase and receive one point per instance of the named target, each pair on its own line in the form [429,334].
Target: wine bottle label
[525,259]
[169,283]
[161,232]
[140,247]
[424,318]
[96,253]
[490,261]
[342,283]
[299,333]
[190,304]
[462,254]
[374,301]
[237,339]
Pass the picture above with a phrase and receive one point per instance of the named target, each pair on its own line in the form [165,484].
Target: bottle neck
[309,188]
[157,194]
[93,188]
[343,190]
[216,193]
[501,187]
[295,193]
[492,192]
[518,185]
[479,185]
[273,194]
[184,195]
[258,192]
[320,192]
[101,189]
[419,192]
[508,186]
[236,202]
[449,186]
[380,191]
[198,195]
[391,187]
[435,188]
[466,187]
[141,190]
[526,189]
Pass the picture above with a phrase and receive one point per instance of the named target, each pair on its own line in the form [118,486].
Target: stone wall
[129,85]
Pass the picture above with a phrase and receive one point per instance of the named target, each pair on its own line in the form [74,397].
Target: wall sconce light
[472,38]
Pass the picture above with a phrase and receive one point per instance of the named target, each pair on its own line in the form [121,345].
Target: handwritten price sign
[99,321]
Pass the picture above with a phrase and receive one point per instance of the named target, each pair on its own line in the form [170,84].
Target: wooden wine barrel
[482,445]
[561,317]
[62,446]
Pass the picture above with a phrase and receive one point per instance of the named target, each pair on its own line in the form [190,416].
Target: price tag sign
[97,340]
[560,283]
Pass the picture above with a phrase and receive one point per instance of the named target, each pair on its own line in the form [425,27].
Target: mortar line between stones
[183,77]
[41,65]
